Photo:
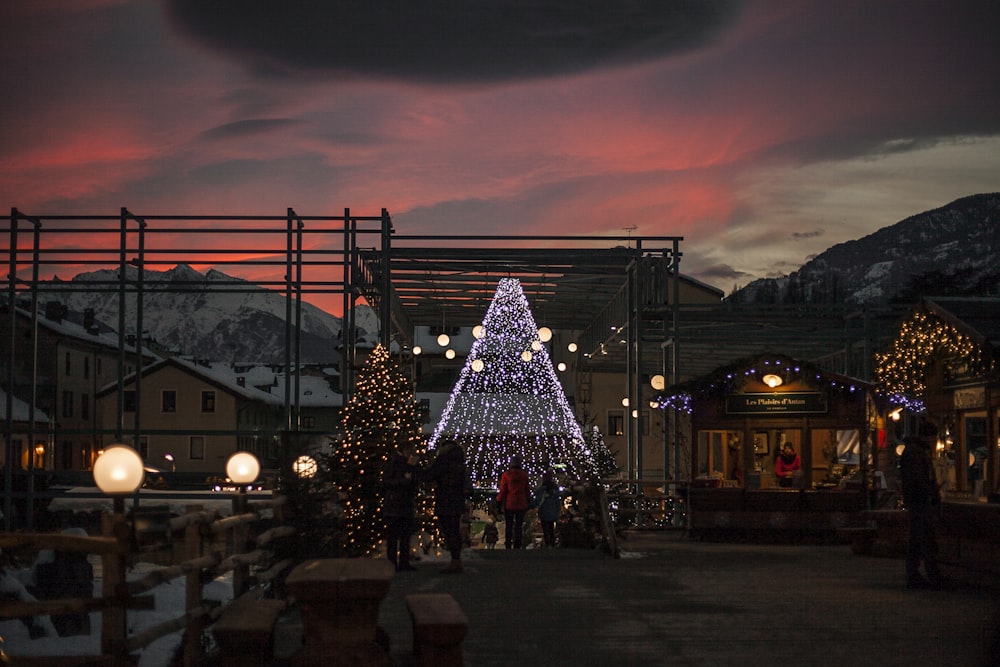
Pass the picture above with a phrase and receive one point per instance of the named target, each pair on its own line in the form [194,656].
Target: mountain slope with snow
[212,315]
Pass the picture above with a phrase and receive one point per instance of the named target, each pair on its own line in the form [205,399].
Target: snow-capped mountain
[953,250]
[193,314]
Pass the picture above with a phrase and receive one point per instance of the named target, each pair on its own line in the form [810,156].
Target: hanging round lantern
[478,365]
[545,334]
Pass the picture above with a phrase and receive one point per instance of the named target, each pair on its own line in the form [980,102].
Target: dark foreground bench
[439,626]
[245,632]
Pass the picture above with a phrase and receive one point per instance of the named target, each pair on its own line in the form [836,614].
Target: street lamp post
[242,468]
[119,473]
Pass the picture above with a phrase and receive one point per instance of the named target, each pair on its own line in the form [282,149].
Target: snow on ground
[169,604]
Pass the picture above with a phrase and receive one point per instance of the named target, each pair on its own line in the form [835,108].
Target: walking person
[399,491]
[452,490]
[548,500]
[514,498]
[921,495]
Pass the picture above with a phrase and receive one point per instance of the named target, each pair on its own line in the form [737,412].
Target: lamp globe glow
[242,468]
[772,380]
[526,355]
[449,353]
[119,470]
[417,350]
[571,347]
[305,467]
[657,382]
[545,334]
[443,340]
[478,365]
[478,331]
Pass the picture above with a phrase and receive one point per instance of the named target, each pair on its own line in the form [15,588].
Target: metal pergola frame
[601,287]
[620,295]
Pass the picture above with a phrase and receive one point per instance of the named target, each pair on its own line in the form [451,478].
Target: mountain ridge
[188,313]
[955,247]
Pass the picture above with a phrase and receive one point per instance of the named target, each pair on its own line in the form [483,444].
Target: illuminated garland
[513,403]
[733,377]
[902,370]
[381,415]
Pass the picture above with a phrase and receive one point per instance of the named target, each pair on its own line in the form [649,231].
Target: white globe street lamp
[119,472]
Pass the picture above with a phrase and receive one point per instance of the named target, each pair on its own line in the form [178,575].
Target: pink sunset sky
[763,132]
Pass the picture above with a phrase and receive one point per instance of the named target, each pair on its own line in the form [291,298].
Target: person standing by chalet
[514,498]
[548,500]
[399,485]
[452,490]
[921,494]
[787,466]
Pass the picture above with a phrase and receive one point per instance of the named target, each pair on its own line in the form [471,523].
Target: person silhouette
[514,498]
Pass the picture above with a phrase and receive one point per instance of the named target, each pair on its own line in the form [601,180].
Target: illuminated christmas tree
[509,401]
[381,415]
[604,458]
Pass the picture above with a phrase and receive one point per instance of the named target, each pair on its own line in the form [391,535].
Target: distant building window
[84,406]
[69,365]
[128,399]
[67,404]
[169,401]
[308,422]
[208,401]
[86,368]
[144,447]
[616,422]
[196,448]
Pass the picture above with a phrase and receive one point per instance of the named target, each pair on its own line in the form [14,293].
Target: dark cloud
[245,128]
[717,273]
[448,40]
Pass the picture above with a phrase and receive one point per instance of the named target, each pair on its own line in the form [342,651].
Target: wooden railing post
[193,593]
[241,533]
[114,630]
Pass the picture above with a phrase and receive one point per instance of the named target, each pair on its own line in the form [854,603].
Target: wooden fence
[203,547]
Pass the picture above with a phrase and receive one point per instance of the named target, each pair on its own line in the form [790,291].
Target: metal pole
[8,424]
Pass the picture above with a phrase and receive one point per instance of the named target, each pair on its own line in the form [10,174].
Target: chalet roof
[731,376]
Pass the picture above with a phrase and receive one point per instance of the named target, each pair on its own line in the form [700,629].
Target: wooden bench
[439,626]
[245,631]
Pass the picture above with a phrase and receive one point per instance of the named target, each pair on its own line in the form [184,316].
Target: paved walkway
[671,601]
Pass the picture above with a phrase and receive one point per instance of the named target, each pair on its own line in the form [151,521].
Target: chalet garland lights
[902,370]
[733,378]
[508,399]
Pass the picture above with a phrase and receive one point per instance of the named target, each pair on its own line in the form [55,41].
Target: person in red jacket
[787,466]
[514,497]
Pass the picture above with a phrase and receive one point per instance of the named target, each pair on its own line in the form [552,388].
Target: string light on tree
[381,415]
[514,404]
[923,338]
